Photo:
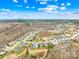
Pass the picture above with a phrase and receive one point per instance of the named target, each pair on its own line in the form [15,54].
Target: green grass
[17,52]
[1,57]
[48,47]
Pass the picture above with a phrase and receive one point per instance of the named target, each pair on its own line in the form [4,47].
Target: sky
[39,9]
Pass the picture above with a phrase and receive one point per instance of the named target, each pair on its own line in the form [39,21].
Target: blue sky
[39,9]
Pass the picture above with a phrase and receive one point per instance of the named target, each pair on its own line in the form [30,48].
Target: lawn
[1,57]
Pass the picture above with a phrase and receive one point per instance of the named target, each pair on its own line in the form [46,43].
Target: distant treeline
[42,20]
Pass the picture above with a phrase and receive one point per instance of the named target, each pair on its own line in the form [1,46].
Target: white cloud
[5,10]
[54,7]
[49,8]
[19,5]
[25,1]
[36,15]
[68,4]
[62,4]
[55,0]
[33,7]
[8,15]
[45,9]
[55,11]
[16,1]
[76,12]
[4,13]
[43,2]
[27,6]
[40,8]
[63,8]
